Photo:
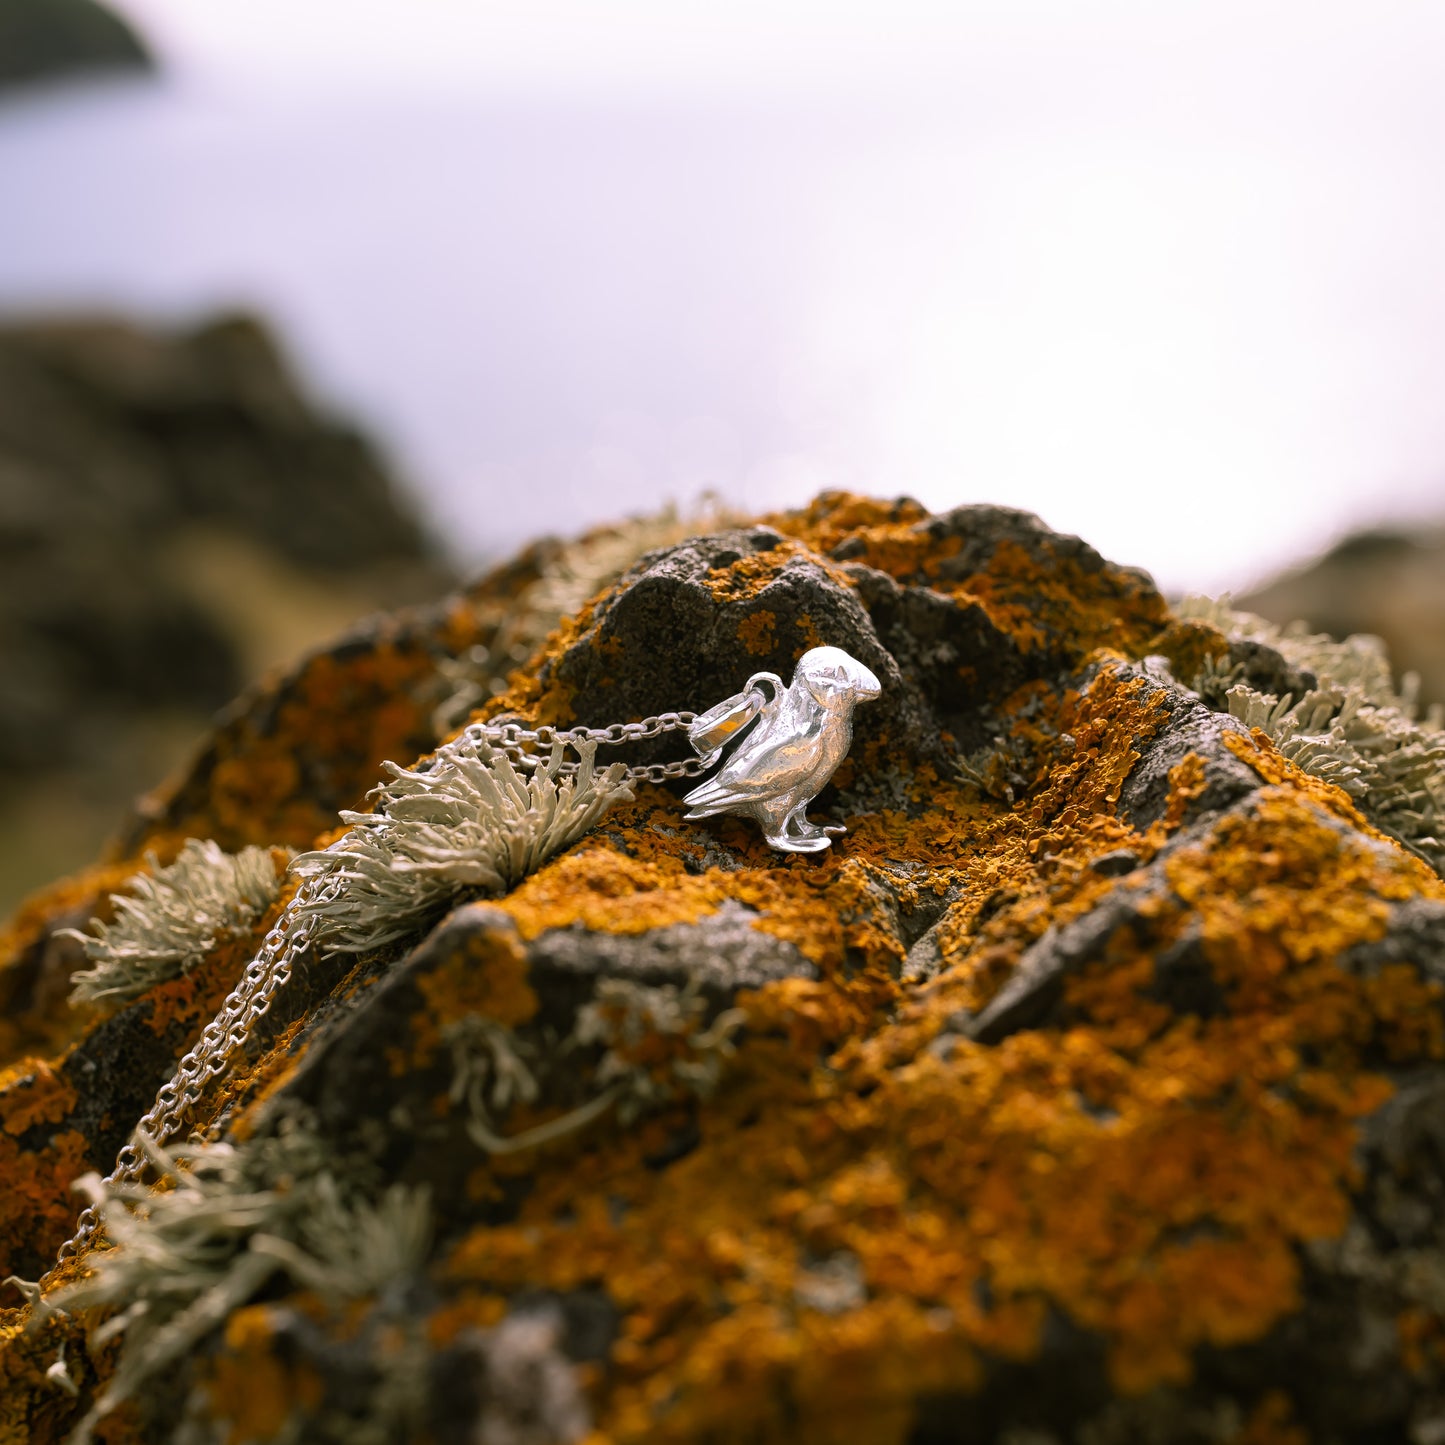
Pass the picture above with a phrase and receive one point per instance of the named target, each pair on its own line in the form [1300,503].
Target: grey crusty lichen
[170,918]
[469,822]
[221,1221]
[493,1069]
[1350,728]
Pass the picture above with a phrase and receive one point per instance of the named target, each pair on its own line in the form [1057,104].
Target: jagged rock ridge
[1088,1090]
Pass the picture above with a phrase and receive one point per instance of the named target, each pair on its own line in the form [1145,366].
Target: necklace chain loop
[514,740]
[270,970]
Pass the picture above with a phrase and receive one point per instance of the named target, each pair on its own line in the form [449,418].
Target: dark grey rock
[1266,670]
[1116,864]
[722,953]
[1184,980]
[1190,728]
[43,40]
[1416,935]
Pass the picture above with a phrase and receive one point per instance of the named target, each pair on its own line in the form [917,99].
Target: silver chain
[251,999]
[270,970]
[514,740]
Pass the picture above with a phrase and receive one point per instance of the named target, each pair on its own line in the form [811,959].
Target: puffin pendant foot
[798,835]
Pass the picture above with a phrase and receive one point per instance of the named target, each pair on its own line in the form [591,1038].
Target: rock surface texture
[1089,1090]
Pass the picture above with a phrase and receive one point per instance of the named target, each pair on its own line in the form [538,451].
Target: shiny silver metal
[515,741]
[791,740]
[263,978]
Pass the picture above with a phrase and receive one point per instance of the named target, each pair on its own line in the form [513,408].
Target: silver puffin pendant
[789,742]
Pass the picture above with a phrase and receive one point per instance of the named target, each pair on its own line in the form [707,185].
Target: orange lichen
[487,975]
[265,1079]
[33,1411]
[468,1310]
[1051,592]
[35,1204]
[1421,1334]
[1145,1171]
[1055,596]
[747,576]
[307,743]
[252,1390]
[37,1208]
[182,1005]
[40,1020]
[835,517]
[891,537]
[1188,780]
[1271,1422]
[1189,647]
[759,632]
[31,1092]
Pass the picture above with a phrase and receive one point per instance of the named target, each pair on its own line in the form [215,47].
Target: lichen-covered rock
[1088,1090]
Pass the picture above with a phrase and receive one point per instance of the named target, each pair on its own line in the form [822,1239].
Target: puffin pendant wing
[713,730]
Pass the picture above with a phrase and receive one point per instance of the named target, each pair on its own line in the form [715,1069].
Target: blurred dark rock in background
[175,518]
[1384,581]
[52,39]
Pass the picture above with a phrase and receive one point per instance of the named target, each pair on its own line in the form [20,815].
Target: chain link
[251,999]
[514,740]
[270,970]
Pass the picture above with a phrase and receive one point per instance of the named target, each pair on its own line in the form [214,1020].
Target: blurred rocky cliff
[175,518]
[1385,581]
[44,40]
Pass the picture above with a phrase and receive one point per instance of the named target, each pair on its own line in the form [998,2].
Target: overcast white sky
[1167,274]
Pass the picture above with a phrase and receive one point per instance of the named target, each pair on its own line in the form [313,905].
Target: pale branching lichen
[658,1048]
[225,1220]
[493,1071]
[1352,729]
[171,918]
[1392,768]
[471,822]
[1360,661]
